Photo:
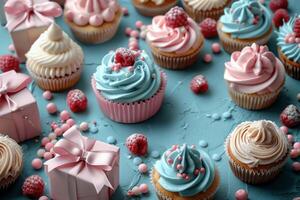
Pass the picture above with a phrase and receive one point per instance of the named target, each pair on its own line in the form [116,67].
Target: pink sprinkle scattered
[125,11]
[64,115]
[143,168]
[37,163]
[11,47]
[216,47]
[49,146]
[51,108]
[139,24]
[284,129]
[241,194]
[207,58]
[47,95]
[144,188]
[44,141]
[296,166]
[48,155]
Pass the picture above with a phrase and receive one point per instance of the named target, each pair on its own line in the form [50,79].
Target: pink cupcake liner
[131,112]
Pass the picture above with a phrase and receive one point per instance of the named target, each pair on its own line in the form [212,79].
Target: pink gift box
[19,115]
[27,19]
[83,169]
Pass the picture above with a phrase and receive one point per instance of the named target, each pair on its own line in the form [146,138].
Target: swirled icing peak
[92,12]
[258,143]
[127,76]
[205,5]
[255,69]
[246,19]
[185,170]
[55,33]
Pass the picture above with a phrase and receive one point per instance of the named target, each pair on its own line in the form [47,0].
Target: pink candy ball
[290,138]
[284,129]
[216,47]
[11,47]
[143,168]
[47,95]
[144,188]
[241,194]
[134,33]
[296,166]
[49,146]
[58,131]
[294,153]
[139,24]
[64,127]
[64,115]
[128,31]
[51,108]
[296,145]
[37,163]
[84,126]
[125,11]
[207,58]
[43,198]
[71,122]
[44,141]
[48,155]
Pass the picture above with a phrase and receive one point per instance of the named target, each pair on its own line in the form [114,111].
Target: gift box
[83,168]
[27,19]
[19,115]
[2,14]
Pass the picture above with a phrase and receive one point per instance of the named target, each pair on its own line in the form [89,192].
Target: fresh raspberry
[137,144]
[9,62]
[176,17]
[199,84]
[209,28]
[125,57]
[33,186]
[279,16]
[77,100]
[296,28]
[290,116]
[277,4]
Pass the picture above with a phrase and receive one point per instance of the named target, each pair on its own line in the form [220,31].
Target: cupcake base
[200,15]
[163,194]
[291,68]
[96,35]
[131,112]
[233,44]
[150,9]
[177,61]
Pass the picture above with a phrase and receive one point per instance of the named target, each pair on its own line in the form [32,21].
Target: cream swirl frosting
[258,143]
[205,5]
[54,54]
[157,2]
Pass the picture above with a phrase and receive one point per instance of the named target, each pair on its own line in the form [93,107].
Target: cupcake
[175,39]
[54,61]
[246,22]
[254,77]
[11,161]
[152,8]
[128,86]
[257,151]
[185,173]
[288,42]
[202,9]
[92,21]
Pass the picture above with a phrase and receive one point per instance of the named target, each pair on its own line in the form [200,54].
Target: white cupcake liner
[291,68]
[151,12]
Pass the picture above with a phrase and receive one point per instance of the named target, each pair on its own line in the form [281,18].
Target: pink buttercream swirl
[255,69]
[167,39]
[92,12]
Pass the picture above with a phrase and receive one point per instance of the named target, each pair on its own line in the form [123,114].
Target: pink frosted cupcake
[128,86]
[93,21]
[254,77]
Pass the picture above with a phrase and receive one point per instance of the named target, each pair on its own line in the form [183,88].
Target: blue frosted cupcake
[245,23]
[183,173]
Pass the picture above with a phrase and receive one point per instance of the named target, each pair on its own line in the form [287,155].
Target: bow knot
[3,89]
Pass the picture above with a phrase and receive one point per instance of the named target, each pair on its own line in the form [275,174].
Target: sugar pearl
[37,163]
[64,115]
[84,126]
[139,24]
[125,11]
[134,33]
[48,155]
[47,95]
[207,58]
[51,108]
[294,153]
[241,194]
[284,129]
[296,166]
[290,138]
[64,127]
[144,188]
[44,141]
[128,31]
[48,146]
[11,47]
[71,122]
[136,190]
[58,131]
[43,198]
[216,47]
[52,136]
[40,153]
[143,168]
[297,145]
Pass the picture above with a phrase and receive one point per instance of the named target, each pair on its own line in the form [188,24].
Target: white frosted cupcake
[54,61]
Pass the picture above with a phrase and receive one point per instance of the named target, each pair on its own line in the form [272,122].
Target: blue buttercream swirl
[190,159]
[290,50]
[246,19]
[125,85]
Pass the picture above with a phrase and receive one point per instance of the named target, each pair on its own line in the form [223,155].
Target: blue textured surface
[184,117]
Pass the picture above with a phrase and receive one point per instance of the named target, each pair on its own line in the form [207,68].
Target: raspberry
[77,101]
[125,57]
[9,62]
[33,186]
[279,16]
[277,4]
[137,144]
[209,28]
[199,84]
[296,28]
[176,17]
[290,116]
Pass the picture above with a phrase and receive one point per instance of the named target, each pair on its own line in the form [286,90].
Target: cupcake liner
[174,61]
[231,44]
[254,101]
[151,11]
[96,35]
[291,68]
[56,84]
[165,195]
[256,175]
[200,15]
[131,112]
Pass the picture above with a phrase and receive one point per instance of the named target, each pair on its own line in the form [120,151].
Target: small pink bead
[294,153]
[134,33]
[290,138]
[11,47]
[143,168]
[291,40]
[43,198]
[241,194]
[139,24]
[44,141]
[179,158]
[37,163]
[48,155]
[196,172]
[186,177]
[207,58]
[136,190]
[51,108]
[128,31]
[64,127]
[168,153]
[40,153]
[297,145]
[64,115]
[48,146]
[71,122]
[216,47]
[144,188]
[125,11]
[179,167]
[47,95]
[296,166]
[54,125]
[202,170]
[170,161]
[284,129]
[58,131]
[84,126]
[52,136]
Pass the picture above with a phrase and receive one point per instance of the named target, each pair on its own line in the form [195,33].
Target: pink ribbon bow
[85,155]
[30,13]
[10,83]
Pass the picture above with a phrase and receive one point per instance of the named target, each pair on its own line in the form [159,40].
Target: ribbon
[85,156]
[10,83]
[29,12]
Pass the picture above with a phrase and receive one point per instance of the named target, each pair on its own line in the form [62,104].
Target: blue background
[182,118]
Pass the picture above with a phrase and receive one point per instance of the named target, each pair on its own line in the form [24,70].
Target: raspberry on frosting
[125,57]
[296,28]
[176,17]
